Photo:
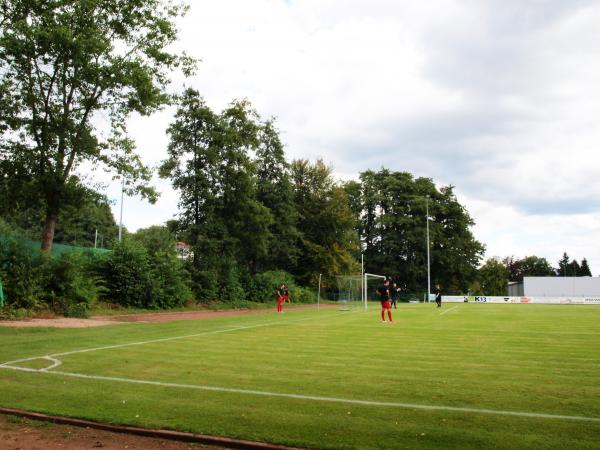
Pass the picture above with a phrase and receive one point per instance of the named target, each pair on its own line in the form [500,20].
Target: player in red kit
[279,292]
[384,298]
[286,294]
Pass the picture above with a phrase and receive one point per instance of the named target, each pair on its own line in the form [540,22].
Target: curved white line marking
[11,365]
[55,363]
[173,338]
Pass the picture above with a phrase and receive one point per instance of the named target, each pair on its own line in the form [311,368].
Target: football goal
[350,291]
[371,282]
[355,291]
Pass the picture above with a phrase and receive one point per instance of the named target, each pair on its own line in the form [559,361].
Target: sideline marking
[448,310]
[315,397]
[152,341]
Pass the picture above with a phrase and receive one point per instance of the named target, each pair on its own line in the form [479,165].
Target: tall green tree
[563,266]
[194,160]
[529,266]
[210,165]
[574,269]
[274,191]
[391,209]
[156,239]
[585,269]
[247,218]
[493,278]
[328,238]
[65,62]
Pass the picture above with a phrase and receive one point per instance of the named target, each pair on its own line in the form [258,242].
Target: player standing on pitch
[286,294]
[384,298]
[438,296]
[394,295]
[279,292]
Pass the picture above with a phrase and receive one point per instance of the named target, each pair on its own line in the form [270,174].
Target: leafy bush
[266,283]
[21,270]
[205,285]
[127,274]
[169,282]
[9,313]
[300,294]
[70,283]
[79,310]
[232,290]
[142,280]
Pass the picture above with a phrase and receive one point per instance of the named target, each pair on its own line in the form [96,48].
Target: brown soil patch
[199,315]
[24,434]
[98,321]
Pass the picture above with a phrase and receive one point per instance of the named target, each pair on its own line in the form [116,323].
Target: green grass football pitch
[465,376]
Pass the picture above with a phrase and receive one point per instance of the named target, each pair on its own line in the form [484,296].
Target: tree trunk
[49,227]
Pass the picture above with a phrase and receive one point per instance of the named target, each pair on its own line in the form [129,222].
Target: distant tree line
[494,275]
[391,209]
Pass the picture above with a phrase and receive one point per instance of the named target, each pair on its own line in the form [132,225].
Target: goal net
[370,284]
[355,291]
[350,291]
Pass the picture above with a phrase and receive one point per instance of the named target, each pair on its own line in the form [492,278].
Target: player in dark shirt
[438,296]
[384,298]
[394,295]
[286,294]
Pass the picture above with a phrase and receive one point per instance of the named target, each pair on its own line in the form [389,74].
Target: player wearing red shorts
[279,292]
[384,298]
[286,294]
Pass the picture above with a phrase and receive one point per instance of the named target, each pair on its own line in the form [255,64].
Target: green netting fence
[34,247]
[57,249]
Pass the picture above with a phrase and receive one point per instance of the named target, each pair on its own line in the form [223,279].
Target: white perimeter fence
[522,300]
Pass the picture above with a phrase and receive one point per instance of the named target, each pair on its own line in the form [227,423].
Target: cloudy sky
[500,98]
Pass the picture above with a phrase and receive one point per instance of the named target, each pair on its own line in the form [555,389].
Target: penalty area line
[448,310]
[167,339]
[317,398]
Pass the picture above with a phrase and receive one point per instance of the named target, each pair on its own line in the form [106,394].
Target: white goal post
[366,277]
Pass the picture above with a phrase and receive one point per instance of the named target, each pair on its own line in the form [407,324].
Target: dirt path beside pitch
[24,434]
[99,321]
[200,315]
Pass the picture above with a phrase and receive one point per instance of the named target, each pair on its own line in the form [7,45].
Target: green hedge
[135,278]
[266,283]
[33,280]
[131,276]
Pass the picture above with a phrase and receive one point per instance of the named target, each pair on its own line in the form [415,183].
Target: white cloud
[508,232]
[495,97]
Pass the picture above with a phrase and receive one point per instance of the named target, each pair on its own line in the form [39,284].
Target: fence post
[1,295]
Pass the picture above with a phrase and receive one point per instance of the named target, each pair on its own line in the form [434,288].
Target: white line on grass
[318,398]
[447,311]
[173,338]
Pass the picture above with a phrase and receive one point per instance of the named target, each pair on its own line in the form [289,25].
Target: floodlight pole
[319,294]
[365,290]
[362,276]
[121,218]
[428,257]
